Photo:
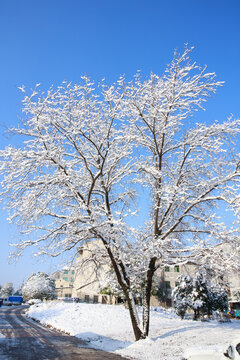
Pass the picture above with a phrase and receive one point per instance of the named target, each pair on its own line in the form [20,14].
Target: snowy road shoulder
[108,327]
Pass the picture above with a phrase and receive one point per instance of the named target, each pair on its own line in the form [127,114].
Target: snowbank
[108,327]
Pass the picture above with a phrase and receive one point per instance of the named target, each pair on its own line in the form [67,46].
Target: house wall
[64,282]
[234,296]
[168,279]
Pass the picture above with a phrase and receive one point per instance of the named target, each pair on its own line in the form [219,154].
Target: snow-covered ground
[108,327]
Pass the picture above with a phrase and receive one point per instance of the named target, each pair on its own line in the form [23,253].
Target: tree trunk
[124,282]
[196,315]
[147,297]
[146,315]
[139,334]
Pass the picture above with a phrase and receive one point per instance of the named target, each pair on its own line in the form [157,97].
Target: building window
[95,299]
[167,285]
[72,271]
[86,298]
[167,268]
[65,272]
[65,278]
[176,283]
[176,268]
[72,280]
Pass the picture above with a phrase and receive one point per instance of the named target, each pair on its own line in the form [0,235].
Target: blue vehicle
[15,300]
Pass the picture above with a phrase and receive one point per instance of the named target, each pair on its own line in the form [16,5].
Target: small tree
[39,286]
[182,295]
[6,290]
[200,295]
[217,299]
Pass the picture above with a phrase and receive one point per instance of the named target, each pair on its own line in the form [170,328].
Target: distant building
[64,282]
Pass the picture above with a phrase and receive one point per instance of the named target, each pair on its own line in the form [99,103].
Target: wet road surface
[24,339]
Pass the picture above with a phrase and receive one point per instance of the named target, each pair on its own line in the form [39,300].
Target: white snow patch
[108,327]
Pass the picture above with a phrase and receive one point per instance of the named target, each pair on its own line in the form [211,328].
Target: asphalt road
[24,339]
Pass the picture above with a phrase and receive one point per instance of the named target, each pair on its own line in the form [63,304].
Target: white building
[90,273]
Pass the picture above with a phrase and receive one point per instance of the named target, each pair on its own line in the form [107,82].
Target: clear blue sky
[49,41]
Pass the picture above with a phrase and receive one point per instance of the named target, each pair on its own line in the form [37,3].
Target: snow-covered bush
[34,301]
[39,286]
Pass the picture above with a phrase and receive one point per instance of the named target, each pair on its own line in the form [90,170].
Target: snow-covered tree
[38,286]
[200,295]
[6,290]
[182,300]
[86,155]
[18,292]
[217,299]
